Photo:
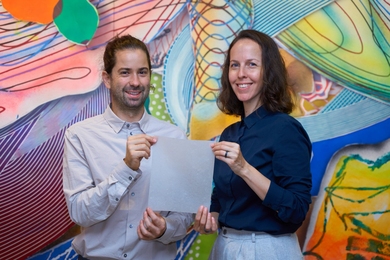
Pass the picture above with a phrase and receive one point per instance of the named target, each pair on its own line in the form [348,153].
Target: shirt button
[128,125]
[125,255]
[131,133]
[116,199]
[224,231]
[130,178]
[130,226]
[132,194]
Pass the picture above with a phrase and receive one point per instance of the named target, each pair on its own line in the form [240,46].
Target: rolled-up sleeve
[289,192]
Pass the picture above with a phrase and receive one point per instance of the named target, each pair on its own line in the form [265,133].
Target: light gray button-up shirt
[106,198]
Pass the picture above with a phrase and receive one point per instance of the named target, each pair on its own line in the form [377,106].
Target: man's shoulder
[87,124]
[166,128]
[157,121]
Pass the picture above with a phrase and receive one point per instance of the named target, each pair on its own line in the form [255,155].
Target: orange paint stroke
[39,11]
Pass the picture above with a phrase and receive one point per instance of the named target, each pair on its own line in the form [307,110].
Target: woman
[262,169]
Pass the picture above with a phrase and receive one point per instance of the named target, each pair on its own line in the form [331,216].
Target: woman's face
[246,74]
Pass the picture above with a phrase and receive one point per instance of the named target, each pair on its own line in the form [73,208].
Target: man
[107,165]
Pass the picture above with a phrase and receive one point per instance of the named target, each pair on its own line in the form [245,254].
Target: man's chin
[135,105]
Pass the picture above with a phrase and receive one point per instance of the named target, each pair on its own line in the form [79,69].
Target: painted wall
[337,54]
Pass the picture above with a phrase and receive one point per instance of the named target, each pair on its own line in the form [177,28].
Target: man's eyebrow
[144,68]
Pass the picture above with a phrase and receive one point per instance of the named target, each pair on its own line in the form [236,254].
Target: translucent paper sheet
[182,172]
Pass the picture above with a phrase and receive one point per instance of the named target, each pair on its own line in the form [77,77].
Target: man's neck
[129,115]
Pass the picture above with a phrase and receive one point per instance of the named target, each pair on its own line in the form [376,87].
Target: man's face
[129,82]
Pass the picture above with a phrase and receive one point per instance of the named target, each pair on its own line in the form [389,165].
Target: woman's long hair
[275,94]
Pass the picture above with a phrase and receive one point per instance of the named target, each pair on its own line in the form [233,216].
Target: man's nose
[134,80]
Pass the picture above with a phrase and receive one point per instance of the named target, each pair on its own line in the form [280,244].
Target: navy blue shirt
[278,146]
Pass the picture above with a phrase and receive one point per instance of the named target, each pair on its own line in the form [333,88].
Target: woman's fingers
[204,222]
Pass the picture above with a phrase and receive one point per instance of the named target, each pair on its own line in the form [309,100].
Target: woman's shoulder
[232,127]
[230,131]
[285,119]
[285,125]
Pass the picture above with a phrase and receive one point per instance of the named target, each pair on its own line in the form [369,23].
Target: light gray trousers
[234,244]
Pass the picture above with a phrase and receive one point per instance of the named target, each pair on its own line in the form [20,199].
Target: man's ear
[106,79]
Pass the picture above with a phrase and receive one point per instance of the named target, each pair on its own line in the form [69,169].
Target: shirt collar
[255,116]
[117,124]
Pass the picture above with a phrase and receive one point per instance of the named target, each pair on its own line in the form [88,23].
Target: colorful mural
[337,54]
[77,20]
[352,213]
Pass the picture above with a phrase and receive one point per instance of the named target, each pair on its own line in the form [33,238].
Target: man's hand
[152,226]
[138,147]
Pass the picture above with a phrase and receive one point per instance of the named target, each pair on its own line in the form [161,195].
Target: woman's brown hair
[275,94]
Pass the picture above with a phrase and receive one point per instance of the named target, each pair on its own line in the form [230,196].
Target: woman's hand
[230,153]
[204,222]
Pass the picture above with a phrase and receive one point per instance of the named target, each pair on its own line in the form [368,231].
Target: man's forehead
[135,58]
[134,51]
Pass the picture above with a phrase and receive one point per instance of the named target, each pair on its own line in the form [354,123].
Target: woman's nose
[241,72]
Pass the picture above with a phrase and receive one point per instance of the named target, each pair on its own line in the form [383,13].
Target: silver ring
[226,154]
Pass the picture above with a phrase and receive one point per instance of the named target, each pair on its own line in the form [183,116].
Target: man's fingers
[153,218]
[154,223]
[147,221]
[149,212]
[138,146]
[142,139]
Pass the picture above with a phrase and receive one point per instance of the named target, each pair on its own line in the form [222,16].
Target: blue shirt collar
[254,117]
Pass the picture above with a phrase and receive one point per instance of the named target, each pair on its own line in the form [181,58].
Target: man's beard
[127,103]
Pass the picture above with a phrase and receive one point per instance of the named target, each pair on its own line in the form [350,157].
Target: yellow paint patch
[208,122]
